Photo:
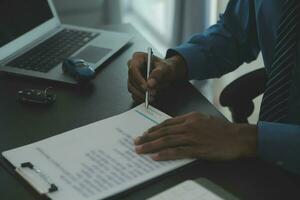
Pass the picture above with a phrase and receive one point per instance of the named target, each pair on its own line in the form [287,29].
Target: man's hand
[198,136]
[165,71]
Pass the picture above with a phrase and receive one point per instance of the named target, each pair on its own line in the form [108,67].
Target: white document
[188,190]
[95,161]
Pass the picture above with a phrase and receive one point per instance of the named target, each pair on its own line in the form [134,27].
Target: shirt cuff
[194,59]
[280,143]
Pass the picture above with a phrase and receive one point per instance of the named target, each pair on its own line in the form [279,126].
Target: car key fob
[36,96]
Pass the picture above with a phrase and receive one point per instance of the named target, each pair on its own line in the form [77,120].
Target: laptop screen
[18,17]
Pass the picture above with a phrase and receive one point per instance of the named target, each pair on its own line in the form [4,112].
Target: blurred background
[164,23]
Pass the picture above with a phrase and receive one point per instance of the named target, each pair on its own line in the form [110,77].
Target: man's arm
[280,143]
[221,49]
[224,46]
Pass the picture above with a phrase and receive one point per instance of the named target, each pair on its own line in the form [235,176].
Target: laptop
[34,43]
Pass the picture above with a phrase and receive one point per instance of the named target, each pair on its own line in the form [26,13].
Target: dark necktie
[274,107]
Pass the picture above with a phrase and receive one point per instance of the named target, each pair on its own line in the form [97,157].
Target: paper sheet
[188,190]
[95,161]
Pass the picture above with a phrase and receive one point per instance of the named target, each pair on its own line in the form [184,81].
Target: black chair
[238,95]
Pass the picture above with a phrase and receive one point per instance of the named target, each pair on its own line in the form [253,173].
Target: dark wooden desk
[23,124]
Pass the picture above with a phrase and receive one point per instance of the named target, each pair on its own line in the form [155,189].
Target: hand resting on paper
[198,136]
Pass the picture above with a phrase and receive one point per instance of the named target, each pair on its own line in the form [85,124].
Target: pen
[150,53]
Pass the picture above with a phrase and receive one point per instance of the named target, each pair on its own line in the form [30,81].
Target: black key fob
[36,96]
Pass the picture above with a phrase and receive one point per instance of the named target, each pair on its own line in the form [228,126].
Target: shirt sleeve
[280,143]
[224,46]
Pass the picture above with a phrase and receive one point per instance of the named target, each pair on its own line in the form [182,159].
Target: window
[166,23]
[153,18]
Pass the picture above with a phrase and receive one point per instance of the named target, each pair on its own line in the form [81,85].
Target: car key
[36,96]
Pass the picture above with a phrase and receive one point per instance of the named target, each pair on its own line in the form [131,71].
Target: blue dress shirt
[246,28]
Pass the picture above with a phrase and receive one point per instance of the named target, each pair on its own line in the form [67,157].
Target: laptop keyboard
[53,51]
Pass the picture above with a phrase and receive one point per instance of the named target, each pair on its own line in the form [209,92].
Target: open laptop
[34,43]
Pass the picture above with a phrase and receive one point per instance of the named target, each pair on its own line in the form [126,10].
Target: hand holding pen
[161,75]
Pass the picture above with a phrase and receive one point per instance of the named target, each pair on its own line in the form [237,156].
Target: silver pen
[149,62]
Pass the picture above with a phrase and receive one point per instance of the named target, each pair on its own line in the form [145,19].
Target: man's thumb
[156,77]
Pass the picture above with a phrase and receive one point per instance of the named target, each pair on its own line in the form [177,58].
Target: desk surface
[75,106]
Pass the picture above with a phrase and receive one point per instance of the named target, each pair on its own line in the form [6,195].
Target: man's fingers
[136,94]
[181,152]
[136,86]
[135,68]
[168,122]
[164,131]
[176,153]
[136,99]
[162,143]
[157,76]
[136,76]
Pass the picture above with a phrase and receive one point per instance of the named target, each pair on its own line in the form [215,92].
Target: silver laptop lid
[22,22]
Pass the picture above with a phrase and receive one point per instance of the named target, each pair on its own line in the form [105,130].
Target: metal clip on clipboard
[52,187]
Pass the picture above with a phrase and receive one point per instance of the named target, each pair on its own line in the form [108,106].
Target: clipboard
[42,175]
[39,189]
[52,166]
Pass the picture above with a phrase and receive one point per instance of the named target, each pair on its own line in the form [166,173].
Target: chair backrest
[239,94]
